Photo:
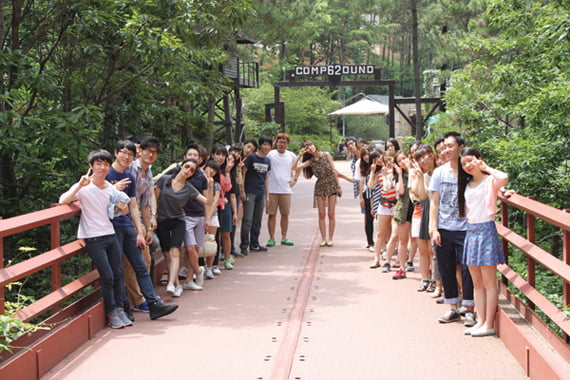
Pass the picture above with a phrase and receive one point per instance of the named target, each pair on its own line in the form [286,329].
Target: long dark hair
[219,149]
[394,173]
[398,154]
[364,166]
[394,142]
[463,178]
[179,168]
[214,165]
[373,156]
[425,150]
[308,171]
[233,170]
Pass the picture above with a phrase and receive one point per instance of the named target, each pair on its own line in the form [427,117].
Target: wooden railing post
[505,221]
[530,262]
[2,296]
[55,241]
[566,259]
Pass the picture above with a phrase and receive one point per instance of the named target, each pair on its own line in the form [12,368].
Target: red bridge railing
[530,298]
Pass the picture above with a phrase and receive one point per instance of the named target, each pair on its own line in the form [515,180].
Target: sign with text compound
[333,70]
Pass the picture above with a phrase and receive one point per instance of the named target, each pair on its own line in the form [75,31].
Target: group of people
[427,200]
[440,200]
[125,211]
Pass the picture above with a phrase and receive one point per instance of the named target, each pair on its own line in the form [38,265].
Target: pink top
[481,201]
[225,186]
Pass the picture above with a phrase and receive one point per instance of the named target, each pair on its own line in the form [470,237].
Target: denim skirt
[482,245]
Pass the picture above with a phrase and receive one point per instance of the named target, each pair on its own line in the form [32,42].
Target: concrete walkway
[299,312]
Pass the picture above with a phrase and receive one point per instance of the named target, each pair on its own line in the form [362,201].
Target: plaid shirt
[143,185]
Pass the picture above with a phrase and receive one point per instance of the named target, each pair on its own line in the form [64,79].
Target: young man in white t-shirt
[95,194]
[280,188]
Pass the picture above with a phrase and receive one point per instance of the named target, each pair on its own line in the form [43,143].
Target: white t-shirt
[94,220]
[280,173]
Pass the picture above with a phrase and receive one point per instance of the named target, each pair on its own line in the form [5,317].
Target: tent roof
[364,106]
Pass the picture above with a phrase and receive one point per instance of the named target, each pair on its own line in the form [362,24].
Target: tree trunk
[417,79]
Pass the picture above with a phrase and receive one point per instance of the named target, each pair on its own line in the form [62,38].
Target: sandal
[437,292]
[431,288]
[374,265]
[424,285]
[163,279]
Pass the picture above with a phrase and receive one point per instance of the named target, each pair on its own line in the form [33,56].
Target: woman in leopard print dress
[327,188]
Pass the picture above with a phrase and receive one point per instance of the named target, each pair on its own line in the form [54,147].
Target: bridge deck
[299,312]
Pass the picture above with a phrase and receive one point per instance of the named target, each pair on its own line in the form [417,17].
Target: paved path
[299,312]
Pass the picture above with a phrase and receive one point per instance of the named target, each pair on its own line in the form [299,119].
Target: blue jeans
[106,255]
[127,239]
[251,222]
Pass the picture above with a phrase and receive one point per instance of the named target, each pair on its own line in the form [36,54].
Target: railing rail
[245,74]
[50,259]
[535,254]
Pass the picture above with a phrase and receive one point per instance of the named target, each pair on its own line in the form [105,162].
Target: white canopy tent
[364,106]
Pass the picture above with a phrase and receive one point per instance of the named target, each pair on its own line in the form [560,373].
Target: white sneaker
[209,274]
[178,291]
[216,271]
[191,285]
[228,265]
[200,277]
[170,289]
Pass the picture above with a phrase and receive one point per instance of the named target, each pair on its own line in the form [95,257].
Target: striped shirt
[379,195]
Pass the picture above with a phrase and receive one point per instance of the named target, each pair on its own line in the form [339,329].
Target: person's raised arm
[298,167]
[500,178]
[401,188]
[211,197]
[418,191]
[71,194]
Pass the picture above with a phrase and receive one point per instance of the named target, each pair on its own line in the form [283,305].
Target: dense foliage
[512,98]
[79,75]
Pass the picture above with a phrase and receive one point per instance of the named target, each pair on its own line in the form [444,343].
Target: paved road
[299,312]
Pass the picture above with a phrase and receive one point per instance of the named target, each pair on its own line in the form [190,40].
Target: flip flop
[163,279]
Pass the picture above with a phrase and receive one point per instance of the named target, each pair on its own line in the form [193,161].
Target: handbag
[210,246]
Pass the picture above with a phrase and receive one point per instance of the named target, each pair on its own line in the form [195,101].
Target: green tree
[306,109]
[512,98]
[79,75]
